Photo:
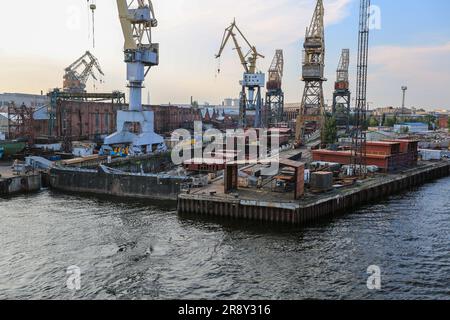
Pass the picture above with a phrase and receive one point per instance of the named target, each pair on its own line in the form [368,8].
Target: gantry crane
[275,94]
[342,96]
[252,80]
[77,74]
[310,121]
[359,138]
[137,19]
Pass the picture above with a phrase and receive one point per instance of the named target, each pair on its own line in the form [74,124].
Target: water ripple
[140,251]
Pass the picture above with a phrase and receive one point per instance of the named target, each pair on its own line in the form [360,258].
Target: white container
[429,155]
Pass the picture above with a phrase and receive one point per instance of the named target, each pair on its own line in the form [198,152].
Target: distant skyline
[412,47]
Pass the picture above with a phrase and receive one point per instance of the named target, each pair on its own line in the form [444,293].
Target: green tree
[383,120]
[404,130]
[373,122]
[330,131]
[390,122]
[448,123]
[431,121]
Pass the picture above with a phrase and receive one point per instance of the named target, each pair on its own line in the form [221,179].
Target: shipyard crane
[77,74]
[252,80]
[137,19]
[275,94]
[359,138]
[342,96]
[311,118]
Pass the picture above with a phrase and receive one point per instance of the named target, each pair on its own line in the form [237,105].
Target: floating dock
[135,178]
[277,208]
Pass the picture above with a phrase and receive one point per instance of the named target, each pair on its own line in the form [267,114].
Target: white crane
[137,19]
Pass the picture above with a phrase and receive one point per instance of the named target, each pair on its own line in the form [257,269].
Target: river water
[142,251]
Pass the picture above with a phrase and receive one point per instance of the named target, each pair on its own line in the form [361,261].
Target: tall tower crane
[275,94]
[359,138]
[77,74]
[342,95]
[252,80]
[137,19]
[310,120]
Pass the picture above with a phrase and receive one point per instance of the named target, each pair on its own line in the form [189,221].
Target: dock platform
[266,206]
[11,184]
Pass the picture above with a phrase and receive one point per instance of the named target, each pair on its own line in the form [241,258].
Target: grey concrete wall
[21,184]
[130,186]
[151,164]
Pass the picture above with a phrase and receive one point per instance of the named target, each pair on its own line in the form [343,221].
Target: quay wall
[299,213]
[20,184]
[158,187]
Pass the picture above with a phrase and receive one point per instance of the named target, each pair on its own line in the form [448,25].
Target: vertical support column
[299,182]
[231,178]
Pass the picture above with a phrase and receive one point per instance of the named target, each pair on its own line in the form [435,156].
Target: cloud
[422,68]
[409,62]
[189,34]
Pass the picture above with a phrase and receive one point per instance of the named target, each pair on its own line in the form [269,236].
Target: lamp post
[404,88]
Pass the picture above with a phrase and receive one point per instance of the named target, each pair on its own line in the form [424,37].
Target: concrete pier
[20,184]
[312,209]
[149,186]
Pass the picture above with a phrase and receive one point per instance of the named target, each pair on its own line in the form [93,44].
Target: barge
[146,177]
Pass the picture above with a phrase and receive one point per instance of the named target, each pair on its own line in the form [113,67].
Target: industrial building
[18,99]
[411,127]
[388,156]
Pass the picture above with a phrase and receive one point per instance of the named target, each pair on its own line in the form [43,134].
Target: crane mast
[137,19]
[310,121]
[252,80]
[359,138]
[77,74]
[342,96]
[275,94]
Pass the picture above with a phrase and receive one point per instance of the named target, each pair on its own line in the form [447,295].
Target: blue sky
[411,48]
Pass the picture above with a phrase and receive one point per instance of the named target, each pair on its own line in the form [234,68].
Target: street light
[404,88]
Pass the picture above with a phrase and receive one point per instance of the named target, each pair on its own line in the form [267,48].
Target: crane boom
[276,70]
[248,64]
[252,80]
[341,95]
[310,121]
[74,79]
[342,70]
[127,29]
[275,94]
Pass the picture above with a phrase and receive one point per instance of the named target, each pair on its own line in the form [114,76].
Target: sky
[409,45]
